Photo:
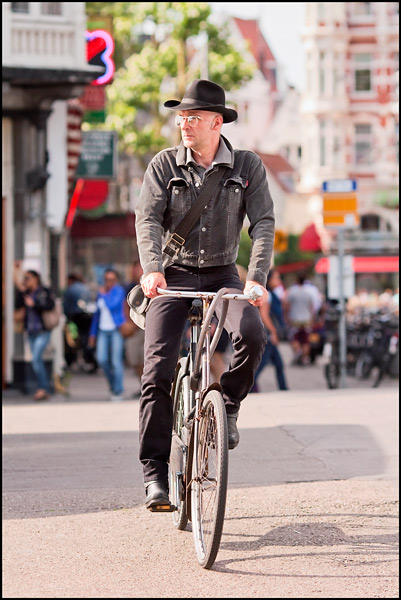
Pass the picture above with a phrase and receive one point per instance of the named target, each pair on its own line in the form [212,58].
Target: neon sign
[100,47]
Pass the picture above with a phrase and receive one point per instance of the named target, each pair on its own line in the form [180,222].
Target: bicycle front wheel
[178,449]
[209,483]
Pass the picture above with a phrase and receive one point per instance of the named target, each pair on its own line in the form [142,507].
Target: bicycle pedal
[162,508]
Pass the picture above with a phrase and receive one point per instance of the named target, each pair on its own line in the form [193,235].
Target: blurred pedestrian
[76,300]
[276,288]
[105,333]
[271,353]
[134,345]
[218,364]
[396,301]
[298,306]
[316,295]
[32,299]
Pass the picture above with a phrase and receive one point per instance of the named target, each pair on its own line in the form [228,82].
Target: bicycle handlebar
[255,293]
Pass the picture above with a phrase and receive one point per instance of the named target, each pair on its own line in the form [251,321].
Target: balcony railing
[37,41]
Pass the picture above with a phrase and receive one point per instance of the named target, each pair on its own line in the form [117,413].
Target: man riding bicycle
[206,262]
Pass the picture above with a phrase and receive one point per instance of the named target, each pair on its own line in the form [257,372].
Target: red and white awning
[364,264]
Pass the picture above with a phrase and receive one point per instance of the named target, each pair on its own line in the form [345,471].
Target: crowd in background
[98,333]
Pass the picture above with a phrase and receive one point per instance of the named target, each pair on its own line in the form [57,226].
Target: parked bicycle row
[372,344]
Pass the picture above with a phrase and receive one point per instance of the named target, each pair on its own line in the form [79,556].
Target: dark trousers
[165,323]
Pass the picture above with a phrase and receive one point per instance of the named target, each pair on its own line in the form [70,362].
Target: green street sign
[98,158]
[95,116]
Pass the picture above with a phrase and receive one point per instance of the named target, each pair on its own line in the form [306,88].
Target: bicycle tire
[177,485]
[364,366]
[210,476]
[332,374]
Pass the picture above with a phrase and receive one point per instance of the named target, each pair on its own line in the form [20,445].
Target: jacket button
[176,192]
[201,262]
[237,190]
[203,228]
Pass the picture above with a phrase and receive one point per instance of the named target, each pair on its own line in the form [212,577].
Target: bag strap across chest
[178,238]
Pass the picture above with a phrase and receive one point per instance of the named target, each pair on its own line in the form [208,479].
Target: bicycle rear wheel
[210,474]
[178,452]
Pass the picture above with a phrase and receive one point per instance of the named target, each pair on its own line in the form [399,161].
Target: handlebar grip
[255,293]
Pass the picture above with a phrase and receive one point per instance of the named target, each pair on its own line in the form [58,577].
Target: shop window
[370,222]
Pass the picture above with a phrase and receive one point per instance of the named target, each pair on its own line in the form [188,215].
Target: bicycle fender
[213,386]
[188,476]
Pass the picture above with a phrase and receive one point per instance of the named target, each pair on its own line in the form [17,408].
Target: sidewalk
[312,507]
[92,388]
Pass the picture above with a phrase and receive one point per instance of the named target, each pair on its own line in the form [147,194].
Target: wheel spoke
[210,484]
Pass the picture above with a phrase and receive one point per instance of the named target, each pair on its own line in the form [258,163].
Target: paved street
[312,508]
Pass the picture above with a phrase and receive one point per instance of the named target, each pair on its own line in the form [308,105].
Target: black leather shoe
[156,494]
[233,435]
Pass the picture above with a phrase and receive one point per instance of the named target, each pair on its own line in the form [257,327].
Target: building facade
[257,100]
[44,65]
[349,112]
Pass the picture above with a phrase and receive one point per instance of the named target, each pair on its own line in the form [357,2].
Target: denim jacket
[170,187]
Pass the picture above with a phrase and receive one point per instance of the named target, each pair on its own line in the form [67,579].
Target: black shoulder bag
[137,301]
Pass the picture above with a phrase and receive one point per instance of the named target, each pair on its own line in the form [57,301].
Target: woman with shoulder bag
[36,299]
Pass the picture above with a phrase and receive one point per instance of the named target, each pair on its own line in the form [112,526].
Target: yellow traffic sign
[280,241]
[340,204]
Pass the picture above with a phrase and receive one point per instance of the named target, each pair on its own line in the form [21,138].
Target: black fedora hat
[204,95]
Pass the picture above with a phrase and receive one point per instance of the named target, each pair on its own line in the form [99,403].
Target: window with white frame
[362,71]
[322,73]
[362,8]
[363,144]
[337,76]
[51,8]
[322,143]
[321,11]
[20,7]
[337,150]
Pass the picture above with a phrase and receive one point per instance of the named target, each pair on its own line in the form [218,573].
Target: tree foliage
[293,254]
[159,49]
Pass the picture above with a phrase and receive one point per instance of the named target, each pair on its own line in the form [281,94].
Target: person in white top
[299,312]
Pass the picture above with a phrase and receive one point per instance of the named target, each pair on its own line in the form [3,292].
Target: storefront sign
[98,156]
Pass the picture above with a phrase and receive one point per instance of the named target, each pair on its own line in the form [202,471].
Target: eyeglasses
[193,120]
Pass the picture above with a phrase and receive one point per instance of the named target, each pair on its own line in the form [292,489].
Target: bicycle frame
[201,348]
[199,447]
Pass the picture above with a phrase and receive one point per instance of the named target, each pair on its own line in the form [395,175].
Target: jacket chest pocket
[180,195]
[232,194]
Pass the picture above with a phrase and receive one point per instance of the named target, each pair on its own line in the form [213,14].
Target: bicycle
[198,465]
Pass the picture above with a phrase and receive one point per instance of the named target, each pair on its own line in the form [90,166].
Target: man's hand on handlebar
[248,286]
[151,282]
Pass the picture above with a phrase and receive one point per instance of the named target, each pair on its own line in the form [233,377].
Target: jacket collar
[221,156]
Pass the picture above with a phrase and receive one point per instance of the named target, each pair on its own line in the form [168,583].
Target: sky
[281,24]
